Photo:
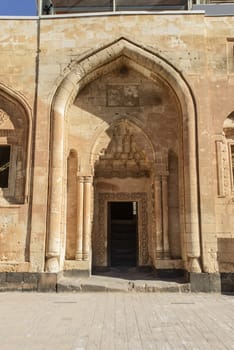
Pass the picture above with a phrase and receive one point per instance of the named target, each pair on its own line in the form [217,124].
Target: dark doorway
[5,151]
[122,233]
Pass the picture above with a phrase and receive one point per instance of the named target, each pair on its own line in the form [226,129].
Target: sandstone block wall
[199,48]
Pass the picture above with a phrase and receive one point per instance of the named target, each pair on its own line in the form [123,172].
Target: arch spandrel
[90,68]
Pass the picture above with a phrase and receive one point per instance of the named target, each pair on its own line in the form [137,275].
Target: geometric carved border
[100,240]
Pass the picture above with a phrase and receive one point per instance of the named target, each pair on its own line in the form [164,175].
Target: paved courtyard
[106,321]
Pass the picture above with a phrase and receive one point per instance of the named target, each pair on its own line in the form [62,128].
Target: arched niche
[123,52]
[15,126]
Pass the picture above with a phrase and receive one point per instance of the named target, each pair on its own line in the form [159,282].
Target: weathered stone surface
[227,282]
[47,282]
[15,277]
[205,282]
[2,277]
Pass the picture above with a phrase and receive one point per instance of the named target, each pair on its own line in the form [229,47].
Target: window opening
[122,234]
[5,151]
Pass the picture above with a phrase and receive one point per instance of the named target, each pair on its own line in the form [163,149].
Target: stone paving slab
[118,321]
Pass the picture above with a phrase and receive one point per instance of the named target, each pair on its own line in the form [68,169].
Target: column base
[166,255]
[159,255]
[194,265]
[79,257]
[78,265]
[85,256]
[52,264]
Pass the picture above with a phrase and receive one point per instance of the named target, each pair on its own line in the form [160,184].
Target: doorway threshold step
[109,284]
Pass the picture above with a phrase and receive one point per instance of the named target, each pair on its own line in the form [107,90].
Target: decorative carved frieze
[123,157]
[12,133]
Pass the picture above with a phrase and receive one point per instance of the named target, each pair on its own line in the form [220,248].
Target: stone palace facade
[117,144]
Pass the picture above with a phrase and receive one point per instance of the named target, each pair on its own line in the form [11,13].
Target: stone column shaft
[80,217]
[166,248]
[56,189]
[87,216]
[158,217]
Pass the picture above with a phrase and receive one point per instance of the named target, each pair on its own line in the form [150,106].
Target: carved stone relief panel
[222,183]
[4,117]
[224,155]
[126,154]
[100,235]
[122,95]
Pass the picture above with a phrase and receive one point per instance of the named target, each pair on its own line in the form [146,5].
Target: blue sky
[17,7]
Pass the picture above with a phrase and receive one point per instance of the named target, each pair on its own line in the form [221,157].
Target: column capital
[88,179]
[164,177]
[80,178]
[157,178]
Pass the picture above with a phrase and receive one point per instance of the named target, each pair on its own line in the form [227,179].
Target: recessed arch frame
[81,73]
[26,114]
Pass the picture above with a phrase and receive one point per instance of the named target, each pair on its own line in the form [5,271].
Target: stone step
[104,284]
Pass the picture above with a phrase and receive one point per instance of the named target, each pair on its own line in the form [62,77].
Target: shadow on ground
[144,273]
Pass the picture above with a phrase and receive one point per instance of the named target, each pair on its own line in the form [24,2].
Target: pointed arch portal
[123,53]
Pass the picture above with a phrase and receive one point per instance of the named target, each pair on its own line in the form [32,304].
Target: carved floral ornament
[3,117]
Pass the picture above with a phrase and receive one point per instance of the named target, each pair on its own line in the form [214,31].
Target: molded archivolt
[89,68]
[15,131]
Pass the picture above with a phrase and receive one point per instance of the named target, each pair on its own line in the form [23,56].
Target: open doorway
[122,234]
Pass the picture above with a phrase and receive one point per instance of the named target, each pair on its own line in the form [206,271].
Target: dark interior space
[5,151]
[122,233]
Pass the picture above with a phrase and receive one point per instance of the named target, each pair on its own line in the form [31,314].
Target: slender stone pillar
[158,217]
[166,248]
[80,218]
[189,4]
[56,189]
[87,216]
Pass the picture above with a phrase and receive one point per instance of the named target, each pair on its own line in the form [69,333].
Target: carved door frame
[100,237]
